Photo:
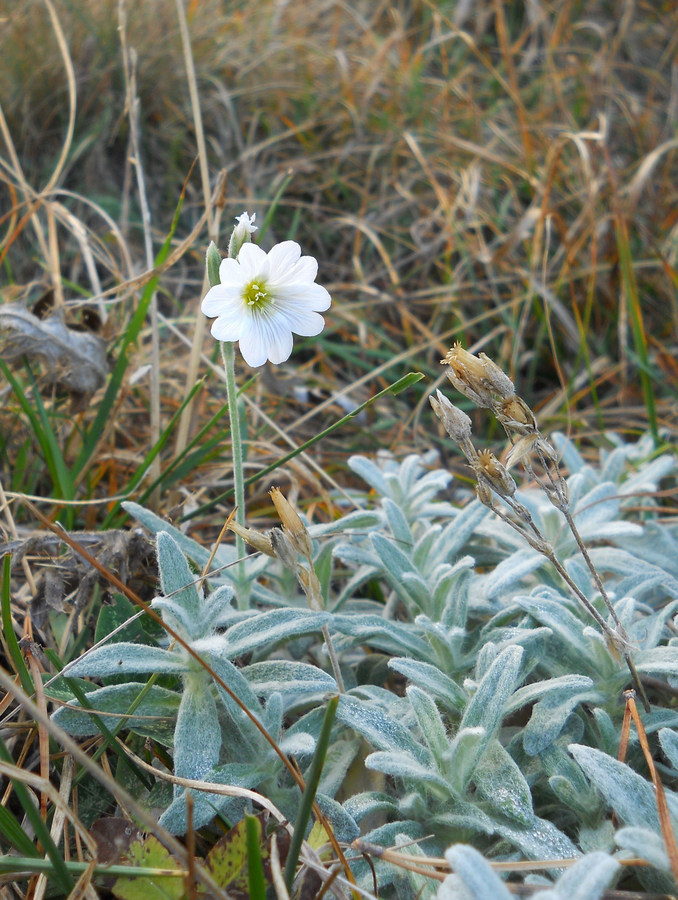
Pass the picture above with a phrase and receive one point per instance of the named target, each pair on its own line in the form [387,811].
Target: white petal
[252,261]
[265,339]
[226,329]
[306,324]
[230,272]
[302,272]
[219,298]
[281,258]
[312,296]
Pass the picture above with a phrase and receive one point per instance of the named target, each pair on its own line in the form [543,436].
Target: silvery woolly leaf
[402,765]
[180,586]
[370,473]
[154,716]
[465,752]
[630,796]
[340,755]
[499,780]
[271,627]
[300,744]
[125,658]
[344,826]
[432,680]
[431,726]
[621,562]
[540,839]
[358,520]
[207,805]
[550,608]
[397,523]
[658,661]
[487,707]
[511,571]
[472,870]
[382,634]
[380,730]
[669,741]
[551,713]
[399,569]
[587,879]
[288,677]
[458,532]
[646,844]
[197,737]
[364,804]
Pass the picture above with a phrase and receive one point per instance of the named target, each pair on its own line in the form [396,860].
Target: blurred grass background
[504,174]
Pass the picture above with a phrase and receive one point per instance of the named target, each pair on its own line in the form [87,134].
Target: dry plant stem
[132,101]
[618,640]
[212,221]
[334,659]
[662,806]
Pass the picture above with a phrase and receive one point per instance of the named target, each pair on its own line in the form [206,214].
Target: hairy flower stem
[228,358]
[617,640]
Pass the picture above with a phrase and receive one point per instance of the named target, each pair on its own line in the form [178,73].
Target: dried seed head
[516,415]
[494,472]
[294,527]
[256,539]
[284,550]
[497,378]
[484,494]
[467,374]
[455,421]
[478,377]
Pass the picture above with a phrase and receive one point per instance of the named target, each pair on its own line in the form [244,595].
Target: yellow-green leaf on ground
[150,853]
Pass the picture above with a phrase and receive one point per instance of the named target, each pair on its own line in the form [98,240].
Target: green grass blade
[8,631]
[61,874]
[312,781]
[153,452]
[44,434]
[14,833]
[131,334]
[402,384]
[637,326]
[255,867]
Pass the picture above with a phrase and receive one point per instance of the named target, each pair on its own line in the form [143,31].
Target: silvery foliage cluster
[507,732]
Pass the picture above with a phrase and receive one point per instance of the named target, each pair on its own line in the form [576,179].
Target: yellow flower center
[257,296]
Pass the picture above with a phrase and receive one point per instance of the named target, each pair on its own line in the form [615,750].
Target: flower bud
[294,528]
[455,421]
[242,233]
[213,261]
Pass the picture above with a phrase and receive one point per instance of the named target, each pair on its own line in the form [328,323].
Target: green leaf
[150,853]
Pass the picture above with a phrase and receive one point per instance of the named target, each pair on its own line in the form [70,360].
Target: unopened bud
[294,527]
[242,233]
[256,539]
[213,261]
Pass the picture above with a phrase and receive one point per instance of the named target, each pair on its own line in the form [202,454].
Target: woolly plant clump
[481,706]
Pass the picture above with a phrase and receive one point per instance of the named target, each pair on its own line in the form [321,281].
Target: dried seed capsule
[294,527]
[494,472]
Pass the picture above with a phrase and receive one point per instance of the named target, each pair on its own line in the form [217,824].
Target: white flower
[264,298]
